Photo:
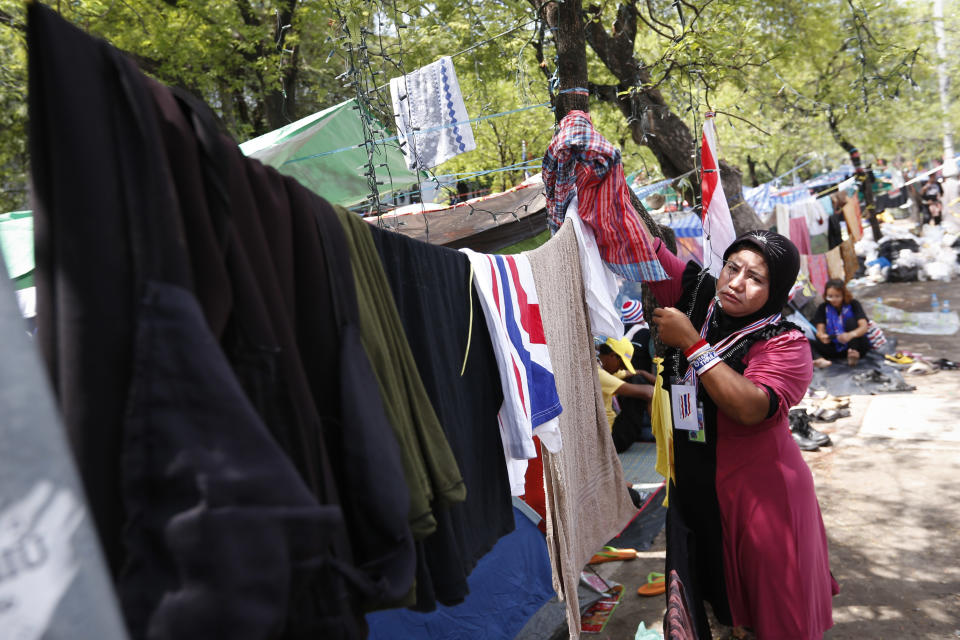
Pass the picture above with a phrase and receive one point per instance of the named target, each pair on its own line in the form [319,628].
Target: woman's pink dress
[775,546]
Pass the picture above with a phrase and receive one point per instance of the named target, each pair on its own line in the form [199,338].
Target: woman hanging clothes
[744,530]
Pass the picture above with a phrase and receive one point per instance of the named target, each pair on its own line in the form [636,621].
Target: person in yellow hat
[633,423]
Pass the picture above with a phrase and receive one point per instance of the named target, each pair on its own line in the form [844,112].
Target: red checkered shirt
[580,160]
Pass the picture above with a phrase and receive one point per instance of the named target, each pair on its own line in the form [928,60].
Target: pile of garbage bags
[901,256]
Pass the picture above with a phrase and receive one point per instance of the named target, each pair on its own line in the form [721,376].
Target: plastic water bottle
[934,303]
[945,307]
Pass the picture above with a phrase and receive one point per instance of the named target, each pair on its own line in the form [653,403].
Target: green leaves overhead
[778,72]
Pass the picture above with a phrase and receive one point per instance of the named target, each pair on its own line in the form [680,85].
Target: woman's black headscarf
[783,264]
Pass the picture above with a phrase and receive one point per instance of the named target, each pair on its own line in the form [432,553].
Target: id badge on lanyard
[687,410]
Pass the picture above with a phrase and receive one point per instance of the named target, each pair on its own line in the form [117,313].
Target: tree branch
[732,115]
[12,22]
[673,32]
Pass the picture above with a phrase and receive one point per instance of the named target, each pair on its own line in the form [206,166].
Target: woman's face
[744,283]
[834,297]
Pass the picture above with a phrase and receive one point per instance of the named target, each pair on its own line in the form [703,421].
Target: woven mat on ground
[639,462]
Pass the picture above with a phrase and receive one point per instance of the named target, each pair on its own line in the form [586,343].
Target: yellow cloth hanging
[662,422]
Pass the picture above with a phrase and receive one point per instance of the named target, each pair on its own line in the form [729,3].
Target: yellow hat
[623,348]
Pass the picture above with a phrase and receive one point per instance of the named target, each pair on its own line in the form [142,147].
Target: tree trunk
[649,117]
[865,179]
[752,166]
[744,217]
[569,38]
[280,103]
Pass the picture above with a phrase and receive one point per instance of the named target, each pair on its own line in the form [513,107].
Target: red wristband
[693,349]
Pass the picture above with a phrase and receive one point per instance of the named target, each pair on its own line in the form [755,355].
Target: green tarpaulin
[301,150]
[16,244]
[321,151]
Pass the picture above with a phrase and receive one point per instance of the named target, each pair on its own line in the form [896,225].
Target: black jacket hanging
[212,531]
[445,326]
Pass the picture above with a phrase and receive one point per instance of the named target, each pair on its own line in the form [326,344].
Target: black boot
[805,429]
[818,437]
[801,425]
[805,444]
[803,434]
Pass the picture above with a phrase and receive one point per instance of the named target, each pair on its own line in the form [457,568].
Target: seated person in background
[633,422]
[930,194]
[841,327]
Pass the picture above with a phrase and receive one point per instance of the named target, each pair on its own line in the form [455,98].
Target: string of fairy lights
[374,52]
[372,55]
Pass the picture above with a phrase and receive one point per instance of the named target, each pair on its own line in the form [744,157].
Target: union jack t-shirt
[510,304]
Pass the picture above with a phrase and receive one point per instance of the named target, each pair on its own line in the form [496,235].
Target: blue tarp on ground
[507,587]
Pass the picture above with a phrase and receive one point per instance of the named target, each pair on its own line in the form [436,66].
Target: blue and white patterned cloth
[432,121]
[650,189]
[764,197]
[686,225]
[789,196]
[759,198]
[831,177]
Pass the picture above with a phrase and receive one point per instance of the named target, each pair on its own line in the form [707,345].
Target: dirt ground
[889,491]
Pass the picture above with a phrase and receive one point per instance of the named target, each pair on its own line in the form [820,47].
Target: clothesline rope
[420,132]
[478,44]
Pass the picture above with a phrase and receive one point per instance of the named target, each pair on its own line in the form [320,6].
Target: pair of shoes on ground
[872,376]
[828,414]
[921,368]
[816,405]
[834,402]
[806,437]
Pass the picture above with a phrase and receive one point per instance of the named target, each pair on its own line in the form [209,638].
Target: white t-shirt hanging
[783,219]
[817,218]
[600,283]
[432,121]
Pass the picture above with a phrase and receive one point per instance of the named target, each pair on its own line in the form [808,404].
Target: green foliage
[776,71]
[13,111]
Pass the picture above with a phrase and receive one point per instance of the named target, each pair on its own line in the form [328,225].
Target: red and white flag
[718,231]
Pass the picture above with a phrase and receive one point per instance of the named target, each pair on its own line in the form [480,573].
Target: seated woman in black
[841,327]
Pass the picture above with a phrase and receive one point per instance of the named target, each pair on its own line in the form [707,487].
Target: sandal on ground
[834,402]
[899,358]
[656,585]
[609,554]
[853,358]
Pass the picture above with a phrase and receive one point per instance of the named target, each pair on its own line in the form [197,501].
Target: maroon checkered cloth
[580,160]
